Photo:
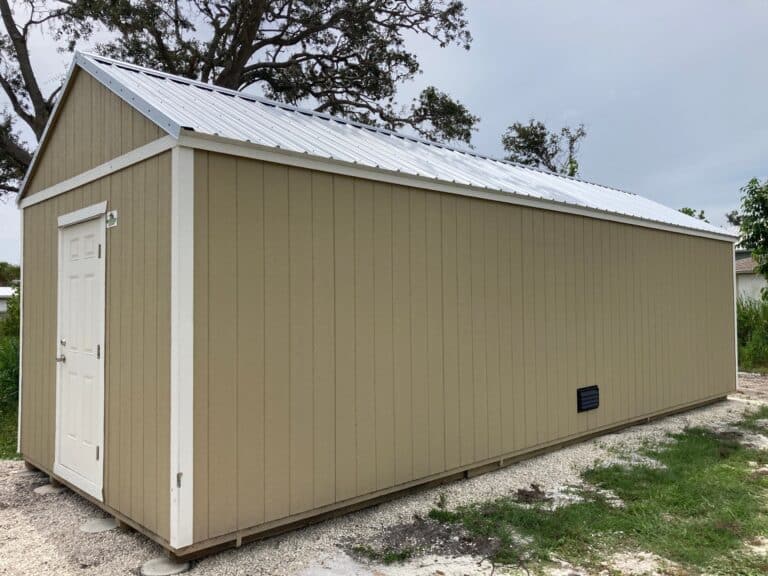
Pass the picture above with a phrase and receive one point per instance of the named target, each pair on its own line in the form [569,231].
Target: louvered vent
[587,398]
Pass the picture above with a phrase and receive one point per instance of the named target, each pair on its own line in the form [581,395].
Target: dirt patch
[532,495]
[758,546]
[641,564]
[730,436]
[422,537]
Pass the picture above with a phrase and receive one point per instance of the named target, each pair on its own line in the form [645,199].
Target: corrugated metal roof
[176,103]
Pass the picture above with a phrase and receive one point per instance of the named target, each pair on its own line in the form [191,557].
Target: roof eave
[247,149]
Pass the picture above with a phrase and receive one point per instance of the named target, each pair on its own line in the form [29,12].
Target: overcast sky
[673,94]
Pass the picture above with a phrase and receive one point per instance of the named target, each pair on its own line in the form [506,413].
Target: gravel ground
[40,534]
[753,386]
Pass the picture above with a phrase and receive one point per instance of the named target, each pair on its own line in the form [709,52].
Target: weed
[442,501]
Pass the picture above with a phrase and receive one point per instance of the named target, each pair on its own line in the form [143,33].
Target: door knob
[61,358]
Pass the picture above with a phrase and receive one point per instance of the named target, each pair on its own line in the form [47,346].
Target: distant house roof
[745,265]
[182,106]
[6,292]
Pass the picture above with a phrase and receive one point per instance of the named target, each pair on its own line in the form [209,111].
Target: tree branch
[19,42]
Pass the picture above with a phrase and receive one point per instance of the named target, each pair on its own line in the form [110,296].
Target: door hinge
[99,250]
[178,480]
[97,452]
[98,351]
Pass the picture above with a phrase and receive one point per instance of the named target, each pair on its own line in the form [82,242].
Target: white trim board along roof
[185,108]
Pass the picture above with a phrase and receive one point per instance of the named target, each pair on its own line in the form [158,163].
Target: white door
[80,359]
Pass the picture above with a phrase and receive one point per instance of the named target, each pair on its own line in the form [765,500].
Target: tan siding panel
[383,337]
[435,344]
[93,126]
[323,308]
[386,334]
[401,321]
[136,351]
[277,399]
[302,357]
[200,347]
[418,306]
[250,343]
[365,396]
[222,348]
[466,357]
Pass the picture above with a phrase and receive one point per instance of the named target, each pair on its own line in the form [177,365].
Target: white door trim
[87,213]
[182,345]
[95,490]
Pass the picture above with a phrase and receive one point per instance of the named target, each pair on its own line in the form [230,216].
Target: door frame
[92,212]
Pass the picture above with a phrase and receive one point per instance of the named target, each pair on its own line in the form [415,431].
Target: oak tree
[342,57]
[533,144]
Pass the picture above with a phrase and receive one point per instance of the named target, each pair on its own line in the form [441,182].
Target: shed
[239,315]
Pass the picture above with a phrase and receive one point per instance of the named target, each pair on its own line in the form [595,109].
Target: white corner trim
[333,166]
[133,157]
[735,315]
[21,331]
[87,213]
[182,345]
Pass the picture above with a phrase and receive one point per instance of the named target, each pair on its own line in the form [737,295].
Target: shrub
[9,353]
[9,369]
[752,333]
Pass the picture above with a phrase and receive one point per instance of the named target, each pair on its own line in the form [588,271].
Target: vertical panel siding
[93,127]
[137,347]
[373,335]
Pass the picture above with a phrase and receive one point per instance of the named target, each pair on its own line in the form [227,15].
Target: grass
[388,556]
[697,511]
[749,422]
[8,422]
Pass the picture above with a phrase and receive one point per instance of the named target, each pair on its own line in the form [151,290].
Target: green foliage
[691,212]
[442,118]
[533,144]
[11,322]
[9,273]
[754,222]
[8,424]
[14,157]
[733,217]
[9,354]
[698,510]
[9,370]
[752,334]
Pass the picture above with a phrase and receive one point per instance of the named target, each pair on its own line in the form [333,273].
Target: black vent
[587,398]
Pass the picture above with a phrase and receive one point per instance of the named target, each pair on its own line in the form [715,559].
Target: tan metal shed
[238,316]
